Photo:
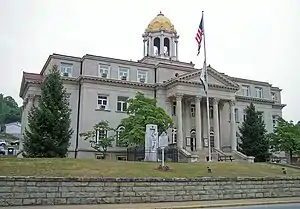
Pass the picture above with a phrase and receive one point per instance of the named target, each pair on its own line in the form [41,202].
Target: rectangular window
[142,76]
[123,74]
[174,136]
[174,108]
[102,102]
[259,92]
[246,91]
[211,112]
[193,110]
[236,115]
[122,104]
[273,95]
[100,134]
[103,70]
[261,115]
[66,69]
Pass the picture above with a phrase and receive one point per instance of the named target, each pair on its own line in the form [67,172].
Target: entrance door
[193,140]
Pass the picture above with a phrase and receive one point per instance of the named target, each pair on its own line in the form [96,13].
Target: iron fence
[138,154]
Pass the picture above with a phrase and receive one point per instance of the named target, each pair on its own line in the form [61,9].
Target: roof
[160,22]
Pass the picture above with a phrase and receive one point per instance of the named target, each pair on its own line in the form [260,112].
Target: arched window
[166,46]
[156,46]
[118,135]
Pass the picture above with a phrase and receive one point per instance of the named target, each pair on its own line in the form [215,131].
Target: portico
[191,122]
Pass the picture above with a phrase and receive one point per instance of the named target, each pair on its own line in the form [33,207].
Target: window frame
[193,110]
[118,135]
[99,106]
[236,115]
[259,92]
[146,76]
[102,66]
[64,66]
[103,133]
[122,103]
[246,88]
[121,76]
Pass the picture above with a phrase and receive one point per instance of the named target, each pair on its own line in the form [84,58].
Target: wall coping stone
[111,179]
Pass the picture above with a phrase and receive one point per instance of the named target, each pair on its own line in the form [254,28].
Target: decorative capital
[30,97]
[179,97]
[216,101]
[232,103]
[198,98]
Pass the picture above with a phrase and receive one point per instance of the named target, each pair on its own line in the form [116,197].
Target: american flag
[199,34]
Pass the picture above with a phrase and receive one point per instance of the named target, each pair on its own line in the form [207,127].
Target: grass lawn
[98,168]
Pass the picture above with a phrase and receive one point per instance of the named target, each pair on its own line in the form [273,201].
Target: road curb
[221,205]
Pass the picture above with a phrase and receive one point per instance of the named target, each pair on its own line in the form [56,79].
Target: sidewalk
[174,205]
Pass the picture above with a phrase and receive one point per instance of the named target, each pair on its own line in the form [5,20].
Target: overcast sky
[253,39]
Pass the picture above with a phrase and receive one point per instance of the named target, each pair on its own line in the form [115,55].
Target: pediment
[214,78]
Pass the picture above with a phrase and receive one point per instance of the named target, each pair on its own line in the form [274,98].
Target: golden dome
[160,22]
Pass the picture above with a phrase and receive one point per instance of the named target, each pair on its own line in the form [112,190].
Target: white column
[179,120]
[198,123]
[172,48]
[232,126]
[176,43]
[150,46]
[144,47]
[161,48]
[216,123]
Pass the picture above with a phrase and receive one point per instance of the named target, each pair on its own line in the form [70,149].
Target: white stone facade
[99,86]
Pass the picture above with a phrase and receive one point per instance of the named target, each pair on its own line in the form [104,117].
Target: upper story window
[102,102]
[236,115]
[66,69]
[174,108]
[123,74]
[103,70]
[193,110]
[273,95]
[122,104]
[246,91]
[142,76]
[259,92]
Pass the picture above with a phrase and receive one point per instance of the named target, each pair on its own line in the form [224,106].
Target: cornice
[59,56]
[248,81]
[97,80]
[168,61]
[193,83]
[278,106]
[273,88]
[118,61]
[259,100]
[175,67]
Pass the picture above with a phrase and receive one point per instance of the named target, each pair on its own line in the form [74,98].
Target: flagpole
[207,98]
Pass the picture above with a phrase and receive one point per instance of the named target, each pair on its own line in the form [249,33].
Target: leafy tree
[98,138]
[253,135]
[9,110]
[286,137]
[142,111]
[49,123]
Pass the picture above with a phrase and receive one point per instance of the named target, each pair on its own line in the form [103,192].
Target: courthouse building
[99,86]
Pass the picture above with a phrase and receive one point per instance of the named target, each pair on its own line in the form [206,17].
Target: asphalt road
[276,206]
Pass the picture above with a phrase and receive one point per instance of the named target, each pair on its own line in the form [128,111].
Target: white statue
[151,143]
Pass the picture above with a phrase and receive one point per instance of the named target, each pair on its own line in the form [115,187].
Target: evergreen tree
[253,135]
[49,122]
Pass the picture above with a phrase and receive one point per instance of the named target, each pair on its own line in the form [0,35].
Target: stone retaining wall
[48,191]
